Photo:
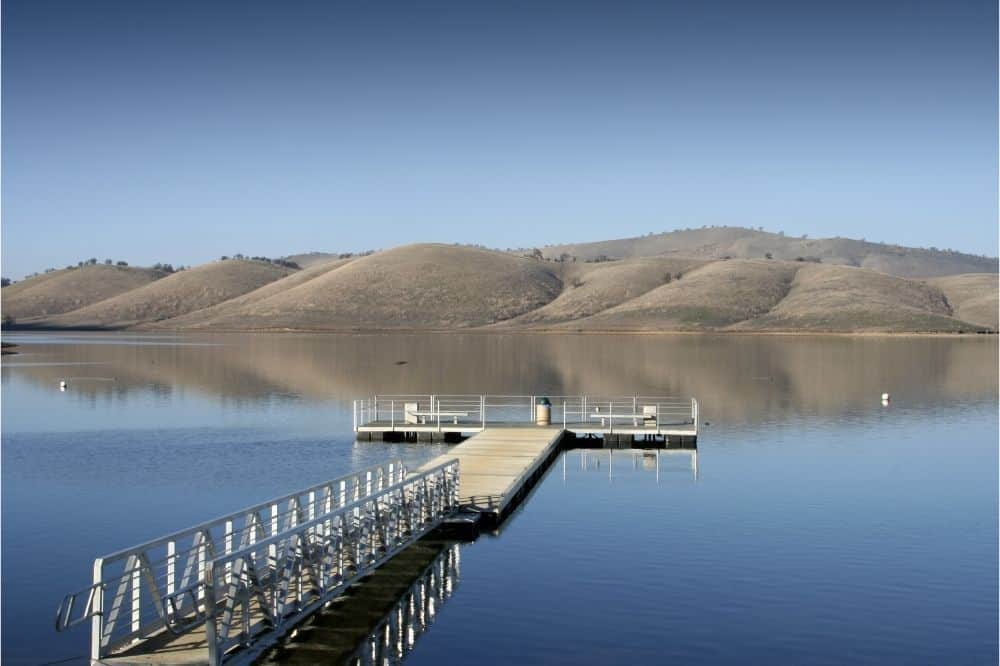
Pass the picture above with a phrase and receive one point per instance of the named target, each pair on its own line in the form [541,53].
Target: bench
[420,417]
[648,420]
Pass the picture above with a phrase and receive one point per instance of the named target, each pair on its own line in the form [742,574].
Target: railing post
[228,546]
[272,550]
[202,557]
[214,657]
[97,620]
[531,410]
[136,594]
[354,415]
[171,566]
[392,413]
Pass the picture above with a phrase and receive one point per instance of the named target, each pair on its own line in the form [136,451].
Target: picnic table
[648,419]
[422,415]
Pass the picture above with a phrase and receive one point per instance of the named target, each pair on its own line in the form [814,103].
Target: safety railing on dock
[476,412]
[134,593]
[629,412]
[253,595]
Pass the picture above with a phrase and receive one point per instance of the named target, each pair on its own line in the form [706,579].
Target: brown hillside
[709,297]
[310,259]
[71,288]
[177,294]
[199,318]
[744,243]
[594,287]
[426,286]
[973,297]
[840,298]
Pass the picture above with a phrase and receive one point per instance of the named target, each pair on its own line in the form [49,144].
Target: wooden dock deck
[498,466]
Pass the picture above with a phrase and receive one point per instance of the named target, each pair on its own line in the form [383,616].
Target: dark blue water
[820,527]
[799,543]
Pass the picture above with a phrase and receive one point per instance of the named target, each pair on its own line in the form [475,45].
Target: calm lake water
[820,527]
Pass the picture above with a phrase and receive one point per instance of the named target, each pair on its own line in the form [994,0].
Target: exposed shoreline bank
[19,329]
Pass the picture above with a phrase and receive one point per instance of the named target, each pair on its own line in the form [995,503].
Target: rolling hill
[593,288]
[180,293]
[436,287]
[844,299]
[744,243]
[310,259]
[72,288]
[713,296]
[972,297]
[426,286]
[234,305]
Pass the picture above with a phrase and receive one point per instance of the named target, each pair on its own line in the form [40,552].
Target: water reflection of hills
[735,377]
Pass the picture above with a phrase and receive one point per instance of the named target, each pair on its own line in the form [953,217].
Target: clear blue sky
[179,131]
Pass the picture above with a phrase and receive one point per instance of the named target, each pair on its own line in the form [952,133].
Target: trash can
[543,412]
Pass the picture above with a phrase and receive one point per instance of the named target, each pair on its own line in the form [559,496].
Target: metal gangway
[229,588]
[581,414]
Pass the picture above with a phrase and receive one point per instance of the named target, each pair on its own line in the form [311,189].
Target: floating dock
[229,590]
[437,417]
[499,466]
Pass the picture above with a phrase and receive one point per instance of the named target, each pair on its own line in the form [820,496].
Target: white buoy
[62,385]
[885,398]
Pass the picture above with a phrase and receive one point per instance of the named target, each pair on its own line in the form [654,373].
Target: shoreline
[497,331]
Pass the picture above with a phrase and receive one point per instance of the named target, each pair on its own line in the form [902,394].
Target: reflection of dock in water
[379,620]
[649,460]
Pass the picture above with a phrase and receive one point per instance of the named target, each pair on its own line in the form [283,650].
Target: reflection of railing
[254,594]
[645,460]
[451,412]
[412,615]
[128,598]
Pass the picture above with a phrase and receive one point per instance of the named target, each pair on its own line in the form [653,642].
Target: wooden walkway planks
[496,464]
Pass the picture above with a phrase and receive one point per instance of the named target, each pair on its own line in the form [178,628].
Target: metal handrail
[125,600]
[263,589]
[436,411]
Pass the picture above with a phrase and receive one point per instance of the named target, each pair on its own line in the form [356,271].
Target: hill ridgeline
[725,280]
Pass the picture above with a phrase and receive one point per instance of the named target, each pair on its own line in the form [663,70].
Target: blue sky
[179,131]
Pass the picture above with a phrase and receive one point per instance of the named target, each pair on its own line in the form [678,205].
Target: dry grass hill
[743,243]
[310,259]
[972,297]
[412,287]
[180,293]
[844,299]
[225,308]
[713,296]
[448,287]
[72,288]
[592,288]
